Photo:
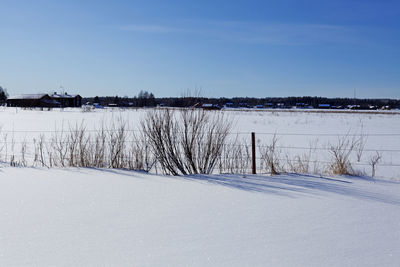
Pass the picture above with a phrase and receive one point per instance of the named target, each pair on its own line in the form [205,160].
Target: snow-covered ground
[89,217]
[107,217]
[297,131]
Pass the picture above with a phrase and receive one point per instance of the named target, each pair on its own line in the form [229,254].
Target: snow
[91,217]
[107,217]
[294,128]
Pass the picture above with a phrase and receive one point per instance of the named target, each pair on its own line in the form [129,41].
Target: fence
[243,152]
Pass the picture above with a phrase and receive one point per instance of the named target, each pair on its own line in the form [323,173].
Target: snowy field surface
[298,132]
[89,217]
[108,217]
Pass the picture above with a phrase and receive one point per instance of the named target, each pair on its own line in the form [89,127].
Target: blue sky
[223,48]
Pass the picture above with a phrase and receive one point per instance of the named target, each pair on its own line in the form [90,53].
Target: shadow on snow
[291,185]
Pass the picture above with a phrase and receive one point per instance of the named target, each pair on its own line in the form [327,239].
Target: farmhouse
[32,100]
[45,100]
[67,100]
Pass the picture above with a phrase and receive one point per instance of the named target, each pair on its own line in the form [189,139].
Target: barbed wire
[216,133]
[226,145]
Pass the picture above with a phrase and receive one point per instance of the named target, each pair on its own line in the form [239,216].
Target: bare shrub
[83,152]
[79,147]
[299,164]
[71,146]
[139,155]
[313,147]
[270,156]
[23,161]
[374,160]
[39,148]
[360,145]
[305,162]
[58,149]
[50,154]
[235,157]
[13,161]
[203,137]
[162,132]
[99,149]
[341,153]
[116,144]
[187,141]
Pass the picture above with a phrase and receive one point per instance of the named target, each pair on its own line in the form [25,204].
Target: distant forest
[147,99]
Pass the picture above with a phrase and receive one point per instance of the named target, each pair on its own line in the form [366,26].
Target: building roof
[28,96]
[63,96]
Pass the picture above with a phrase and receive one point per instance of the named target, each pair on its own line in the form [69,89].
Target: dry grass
[341,152]
[270,156]
[235,157]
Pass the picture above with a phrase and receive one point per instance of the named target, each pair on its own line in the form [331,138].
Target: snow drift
[101,217]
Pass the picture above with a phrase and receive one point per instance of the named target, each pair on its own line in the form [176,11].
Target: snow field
[298,133]
[108,217]
[89,217]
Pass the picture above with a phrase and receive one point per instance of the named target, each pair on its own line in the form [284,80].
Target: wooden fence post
[253,153]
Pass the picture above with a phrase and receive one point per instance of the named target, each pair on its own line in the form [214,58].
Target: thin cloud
[257,33]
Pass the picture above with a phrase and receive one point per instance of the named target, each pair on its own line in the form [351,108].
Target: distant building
[210,106]
[269,105]
[67,100]
[324,106]
[45,100]
[301,105]
[32,100]
[280,105]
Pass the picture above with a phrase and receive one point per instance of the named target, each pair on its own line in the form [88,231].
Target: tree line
[143,99]
[147,99]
